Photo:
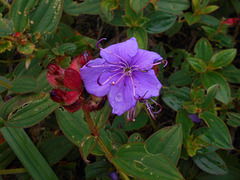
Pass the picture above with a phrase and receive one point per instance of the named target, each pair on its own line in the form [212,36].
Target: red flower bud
[72,79]
[57,95]
[81,60]
[74,107]
[71,97]
[55,75]
[231,21]
[17,34]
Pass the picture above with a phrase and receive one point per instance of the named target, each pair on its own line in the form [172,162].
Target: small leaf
[5,45]
[107,7]
[135,137]
[133,160]
[208,9]
[233,119]
[26,49]
[138,5]
[218,132]
[159,21]
[191,19]
[24,84]
[211,163]
[197,64]
[173,6]
[167,141]
[88,143]
[203,50]
[130,12]
[223,58]
[141,35]
[195,5]
[211,94]
[211,78]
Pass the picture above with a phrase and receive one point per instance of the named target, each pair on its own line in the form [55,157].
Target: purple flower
[194,118]
[124,73]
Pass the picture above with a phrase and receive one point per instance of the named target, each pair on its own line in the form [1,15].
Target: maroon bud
[17,34]
[71,97]
[72,79]
[57,95]
[54,69]
[74,107]
[81,60]
[231,21]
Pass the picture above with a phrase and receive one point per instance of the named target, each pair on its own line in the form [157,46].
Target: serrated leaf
[197,64]
[167,141]
[133,160]
[218,132]
[211,78]
[159,21]
[223,58]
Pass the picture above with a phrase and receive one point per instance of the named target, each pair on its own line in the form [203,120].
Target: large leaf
[19,13]
[86,7]
[72,125]
[159,21]
[46,16]
[211,163]
[24,84]
[211,78]
[218,133]
[28,154]
[31,113]
[180,78]
[167,141]
[133,160]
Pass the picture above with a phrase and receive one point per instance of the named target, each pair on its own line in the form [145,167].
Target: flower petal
[146,84]
[145,59]
[121,96]
[90,77]
[125,50]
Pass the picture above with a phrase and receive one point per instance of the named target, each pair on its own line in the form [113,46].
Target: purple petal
[194,118]
[121,96]
[145,59]
[90,76]
[146,84]
[125,50]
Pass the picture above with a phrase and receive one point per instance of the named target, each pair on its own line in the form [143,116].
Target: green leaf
[183,119]
[236,5]
[86,7]
[135,137]
[180,78]
[6,27]
[107,7]
[233,119]
[159,21]
[167,141]
[174,29]
[191,19]
[6,155]
[173,6]
[210,20]
[96,169]
[197,64]
[203,50]
[16,102]
[72,125]
[46,16]
[67,48]
[44,85]
[142,21]
[138,5]
[28,154]
[24,84]
[32,70]
[211,163]
[141,35]
[128,21]
[5,80]
[117,19]
[5,45]
[195,5]
[26,49]
[211,94]
[31,113]
[55,148]
[231,73]
[218,132]
[211,78]
[223,58]
[88,143]
[19,13]
[208,9]
[133,160]
[130,12]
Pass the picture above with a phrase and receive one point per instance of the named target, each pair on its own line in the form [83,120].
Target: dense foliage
[119,89]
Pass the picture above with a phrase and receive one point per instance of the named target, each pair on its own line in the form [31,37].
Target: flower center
[127,71]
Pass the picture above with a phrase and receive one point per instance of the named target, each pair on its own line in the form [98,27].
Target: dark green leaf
[141,35]
[203,50]
[6,155]
[197,64]
[180,78]
[24,84]
[167,141]
[231,73]
[5,80]
[233,119]
[138,5]
[107,7]
[159,21]
[211,94]
[88,143]
[173,6]
[135,137]
[191,19]
[211,78]
[208,9]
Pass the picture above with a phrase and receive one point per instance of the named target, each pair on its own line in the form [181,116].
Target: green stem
[12,61]
[5,84]
[12,171]
[5,4]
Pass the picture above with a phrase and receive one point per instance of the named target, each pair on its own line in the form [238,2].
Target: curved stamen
[154,64]
[120,62]
[131,113]
[132,81]
[114,83]
[141,98]
[101,84]
[104,65]
[99,43]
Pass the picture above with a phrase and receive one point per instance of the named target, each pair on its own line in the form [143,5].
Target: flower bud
[74,107]
[81,60]
[72,79]
[57,95]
